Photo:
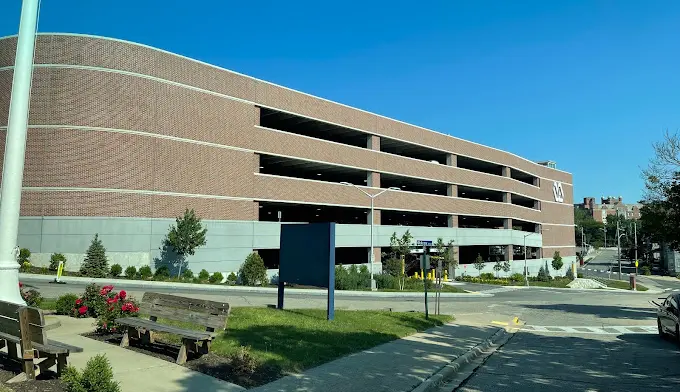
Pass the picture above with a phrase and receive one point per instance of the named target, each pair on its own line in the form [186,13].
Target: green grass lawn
[622,284]
[48,304]
[294,340]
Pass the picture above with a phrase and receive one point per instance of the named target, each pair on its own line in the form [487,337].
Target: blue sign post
[308,258]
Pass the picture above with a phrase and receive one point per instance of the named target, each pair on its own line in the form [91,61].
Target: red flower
[79,302]
[112,300]
[122,294]
[82,310]
[21,285]
[129,307]
[105,290]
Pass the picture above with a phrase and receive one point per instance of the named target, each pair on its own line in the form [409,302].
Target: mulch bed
[210,364]
[47,382]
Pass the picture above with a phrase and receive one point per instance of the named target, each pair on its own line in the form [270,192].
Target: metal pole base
[9,282]
[374,286]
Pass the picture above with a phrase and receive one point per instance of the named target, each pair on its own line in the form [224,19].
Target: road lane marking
[600,330]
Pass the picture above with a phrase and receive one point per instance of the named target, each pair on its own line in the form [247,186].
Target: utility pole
[618,245]
[15,151]
[605,234]
[636,246]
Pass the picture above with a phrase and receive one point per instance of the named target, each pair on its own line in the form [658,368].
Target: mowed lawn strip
[295,340]
[622,284]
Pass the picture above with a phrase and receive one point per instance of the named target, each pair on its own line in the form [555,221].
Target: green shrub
[116,270]
[569,274]
[645,270]
[162,273]
[55,259]
[232,278]
[557,262]
[25,266]
[517,277]
[579,275]
[386,281]
[392,266]
[543,275]
[253,271]
[187,274]
[352,278]
[92,300]
[487,276]
[131,272]
[95,264]
[96,377]
[203,276]
[215,278]
[145,272]
[66,304]
[242,361]
[24,256]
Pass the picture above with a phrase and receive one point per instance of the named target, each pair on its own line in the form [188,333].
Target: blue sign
[307,257]
[424,242]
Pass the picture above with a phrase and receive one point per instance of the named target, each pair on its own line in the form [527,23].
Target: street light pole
[618,245]
[372,197]
[636,247]
[15,151]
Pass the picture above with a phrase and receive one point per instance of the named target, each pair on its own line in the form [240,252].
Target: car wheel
[662,334]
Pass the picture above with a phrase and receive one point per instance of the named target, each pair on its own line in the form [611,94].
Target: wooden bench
[25,326]
[209,314]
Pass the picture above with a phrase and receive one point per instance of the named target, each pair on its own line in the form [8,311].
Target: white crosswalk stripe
[601,330]
[500,290]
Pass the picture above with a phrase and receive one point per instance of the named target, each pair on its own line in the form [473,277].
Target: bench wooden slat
[52,346]
[9,321]
[157,327]
[210,314]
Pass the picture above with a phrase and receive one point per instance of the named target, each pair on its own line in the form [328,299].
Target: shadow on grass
[603,311]
[345,360]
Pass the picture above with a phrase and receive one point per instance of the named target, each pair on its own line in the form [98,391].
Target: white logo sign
[558,192]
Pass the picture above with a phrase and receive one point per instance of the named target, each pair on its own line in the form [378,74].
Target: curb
[239,289]
[649,291]
[435,380]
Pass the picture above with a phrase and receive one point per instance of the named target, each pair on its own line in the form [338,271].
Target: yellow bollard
[416,275]
[446,275]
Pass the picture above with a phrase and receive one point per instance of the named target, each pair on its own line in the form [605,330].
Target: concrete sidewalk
[400,365]
[135,372]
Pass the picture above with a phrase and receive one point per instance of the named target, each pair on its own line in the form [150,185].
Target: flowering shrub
[116,305]
[32,297]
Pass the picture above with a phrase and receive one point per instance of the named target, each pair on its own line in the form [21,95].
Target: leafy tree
[498,266]
[24,256]
[557,262]
[447,252]
[506,266]
[479,263]
[185,236]
[662,169]
[95,265]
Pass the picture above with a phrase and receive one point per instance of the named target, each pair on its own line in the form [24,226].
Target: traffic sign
[424,242]
[636,263]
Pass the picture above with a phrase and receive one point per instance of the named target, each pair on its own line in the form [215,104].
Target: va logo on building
[558,192]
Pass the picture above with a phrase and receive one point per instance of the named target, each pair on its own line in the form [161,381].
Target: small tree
[253,271]
[24,256]
[498,266]
[448,254]
[95,264]
[557,262]
[506,266]
[479,263]
[55,259]
[185,236]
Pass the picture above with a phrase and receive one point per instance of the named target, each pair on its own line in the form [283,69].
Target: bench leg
[204,348]
[2,344]
[46,364]
[182,356]
[12,350]
[61,364]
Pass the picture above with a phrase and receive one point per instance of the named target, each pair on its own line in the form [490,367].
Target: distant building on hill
[609,206]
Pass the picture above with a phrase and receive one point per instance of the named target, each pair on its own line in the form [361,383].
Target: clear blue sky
[589,84]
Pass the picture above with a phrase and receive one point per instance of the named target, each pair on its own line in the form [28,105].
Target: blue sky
[589,84]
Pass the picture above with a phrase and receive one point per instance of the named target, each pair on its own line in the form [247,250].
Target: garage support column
[451,160]
[506,171]
[508,252]
[507,197]
[373,180]
[373,143]
[452,190]
[507,223]
[452,221]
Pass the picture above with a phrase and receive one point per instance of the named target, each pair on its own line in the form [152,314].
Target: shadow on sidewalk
[394,365]
[535,362]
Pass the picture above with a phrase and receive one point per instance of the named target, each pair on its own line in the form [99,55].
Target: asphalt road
[580,362]
[530,304]
[607,261]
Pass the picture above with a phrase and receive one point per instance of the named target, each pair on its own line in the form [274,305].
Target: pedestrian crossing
[602,330]
[500,290]
[671,289]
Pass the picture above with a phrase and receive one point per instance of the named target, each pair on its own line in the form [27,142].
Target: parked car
[668,316]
